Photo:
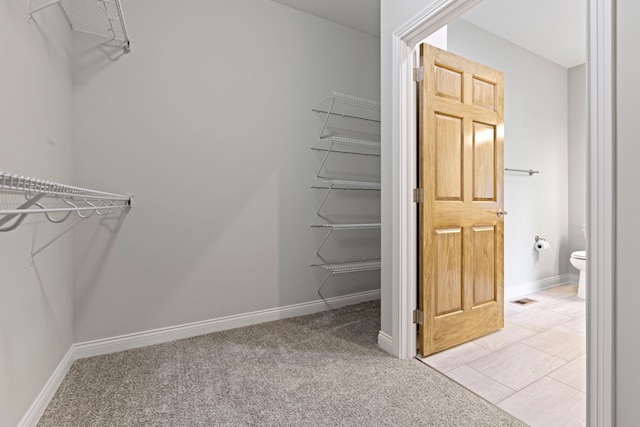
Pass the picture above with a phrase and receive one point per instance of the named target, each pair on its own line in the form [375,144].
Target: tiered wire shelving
[339,106]
[102,18]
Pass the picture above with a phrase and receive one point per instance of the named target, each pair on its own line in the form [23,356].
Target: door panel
[484,265]
[449,147]
[460,170]
[484,94]
[449,271]
[448,83]
[484,164]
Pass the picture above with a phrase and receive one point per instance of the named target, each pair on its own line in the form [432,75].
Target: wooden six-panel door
[461,127]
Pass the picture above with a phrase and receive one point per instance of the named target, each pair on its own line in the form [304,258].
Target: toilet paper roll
[542,245]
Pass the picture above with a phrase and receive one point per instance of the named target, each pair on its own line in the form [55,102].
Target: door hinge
[418,195]
[418,315]
[418,74]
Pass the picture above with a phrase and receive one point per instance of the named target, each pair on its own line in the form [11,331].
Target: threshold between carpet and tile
[321,369]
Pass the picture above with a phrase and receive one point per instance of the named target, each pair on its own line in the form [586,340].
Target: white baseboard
[172,333]
[527,288]
[39,405]
[385,342]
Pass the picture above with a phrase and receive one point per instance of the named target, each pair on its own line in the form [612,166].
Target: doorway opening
[600,214]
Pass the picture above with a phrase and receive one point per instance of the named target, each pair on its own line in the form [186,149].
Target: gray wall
[536,129]
[208,122]
[627,205]
[35,135]
[578,139]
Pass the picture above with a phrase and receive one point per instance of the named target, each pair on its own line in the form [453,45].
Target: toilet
[579,261]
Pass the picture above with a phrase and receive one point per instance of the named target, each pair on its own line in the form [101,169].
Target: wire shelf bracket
[102,18]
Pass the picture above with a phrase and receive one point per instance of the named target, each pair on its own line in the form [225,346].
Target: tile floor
[534,368]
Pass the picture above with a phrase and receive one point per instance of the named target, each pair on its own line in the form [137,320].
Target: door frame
[601,192]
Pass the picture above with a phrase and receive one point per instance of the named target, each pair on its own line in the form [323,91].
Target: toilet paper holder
[541,244]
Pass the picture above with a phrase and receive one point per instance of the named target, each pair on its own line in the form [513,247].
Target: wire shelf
[347,226]
[329,269]
[340,104]
[350,185]
[350,267]
[329,151]
[18,183]
[102,18]
[350,141]
[84,202]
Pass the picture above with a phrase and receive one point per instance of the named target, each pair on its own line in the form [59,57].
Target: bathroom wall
[35,135]
[536,133]
[578,138]
[208,121]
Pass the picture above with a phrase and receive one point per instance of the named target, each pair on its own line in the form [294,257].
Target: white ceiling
[553,29]
[362,15]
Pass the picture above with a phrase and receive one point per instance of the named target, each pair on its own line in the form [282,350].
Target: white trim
[601,216]
[385,342]
[39,405]
[172,333]
[527,288]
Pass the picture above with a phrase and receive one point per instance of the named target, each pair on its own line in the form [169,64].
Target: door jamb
[601,192]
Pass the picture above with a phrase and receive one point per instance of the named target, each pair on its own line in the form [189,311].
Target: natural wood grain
[461,239]
[448,157]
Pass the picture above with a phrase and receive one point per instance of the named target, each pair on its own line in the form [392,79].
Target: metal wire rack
[67,199]
[328,270]
[98,17]
[328,229]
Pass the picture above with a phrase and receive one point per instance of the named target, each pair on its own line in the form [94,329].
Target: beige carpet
[319,370]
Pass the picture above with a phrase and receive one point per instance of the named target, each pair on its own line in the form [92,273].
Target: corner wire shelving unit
[339,105]
[67,199]
[102,18]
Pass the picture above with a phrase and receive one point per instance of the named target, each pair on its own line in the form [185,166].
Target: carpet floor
[323,369]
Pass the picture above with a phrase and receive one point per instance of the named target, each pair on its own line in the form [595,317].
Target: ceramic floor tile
[573,373]
[480,384]
[455,357]
[511,333]
[572,307]
[538,319]
[508,311]
[579,324]
[561,342]
[539,302]
[548,403]
[560,291]
[517,366]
